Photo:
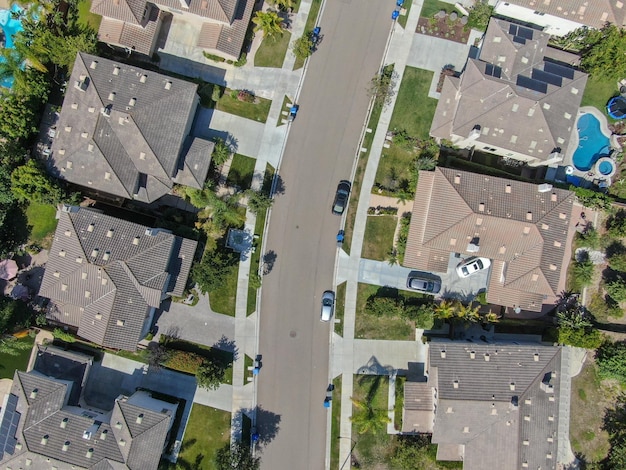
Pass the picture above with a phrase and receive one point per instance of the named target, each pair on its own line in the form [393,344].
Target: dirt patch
[444,28]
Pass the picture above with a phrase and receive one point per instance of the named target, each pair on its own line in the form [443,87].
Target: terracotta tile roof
[595,13]
[522,230]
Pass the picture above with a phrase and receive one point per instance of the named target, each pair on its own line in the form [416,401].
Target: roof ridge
[161,417]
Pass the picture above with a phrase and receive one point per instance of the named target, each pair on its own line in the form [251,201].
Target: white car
[472,265]
[328,305]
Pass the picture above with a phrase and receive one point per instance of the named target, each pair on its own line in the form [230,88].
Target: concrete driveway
[320,151]
[243,135]
[440,52]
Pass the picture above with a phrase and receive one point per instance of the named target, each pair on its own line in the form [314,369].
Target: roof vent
[122,442]
[83,275]
[132,102]
[139,419]
[94,64]
[524,464]
[66,445]
[529,215]
[91,227]
[94,252]
[487,357]
[553,197]
[143,78]
[116,70]
[526,417]
[168,85]
[44,440]
[443,353]
[136,241]
[465,429]
[90,148]
[106,256]
[61,152]
[57,274]
[507,189]
[33,394]
[512,386]
[74,106]
[62,253]
[103,434]
[87,294]
[63,287]
[106,111]
[89,453]
[120,323]
[64,422]
[526,442]
[481,207]
[457,179]
[544,188]
[79,259]
[111,96]
[551,418]
[549,455]
[494,411]
[118,425]
[536,357]
[455,384]
[474,133]
[110,233]
[472,354]
[82,84]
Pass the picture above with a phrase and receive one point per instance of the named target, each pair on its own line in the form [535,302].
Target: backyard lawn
[85,17]
[207,431]
[257,111]
[41,217]
[598,92]
[241,171]
[9,364]
[378,239]
[414,110]
[272,51]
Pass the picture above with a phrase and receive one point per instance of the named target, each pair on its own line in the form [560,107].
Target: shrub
[611,359]
[245,96]
[590,237]
[479,15]
[213,57]
[617,290]
[65,336]
[588,338]
[618,262]
[217,93]
[384,306]
[243,59]
[422,315]
[403,236]
[583,272]
[183,361]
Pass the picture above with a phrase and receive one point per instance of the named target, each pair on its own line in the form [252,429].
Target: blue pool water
[10,26]
[592,144]
[605,168]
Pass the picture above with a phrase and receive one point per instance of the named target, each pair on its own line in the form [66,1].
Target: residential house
[559,17]
[518,100]
[123,132]
[44,423]
[106,277]
[500,405]
[216,26]
[525,229]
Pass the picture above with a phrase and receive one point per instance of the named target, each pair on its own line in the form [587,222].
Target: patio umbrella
[8,269]
[20,292]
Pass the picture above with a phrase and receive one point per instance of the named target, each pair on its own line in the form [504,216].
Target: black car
[341,197]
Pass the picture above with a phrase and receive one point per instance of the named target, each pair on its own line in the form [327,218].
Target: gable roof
[594,14]
[515,95]
[524,232]
[121,129]
[506,410]
[104,274]
[72,437]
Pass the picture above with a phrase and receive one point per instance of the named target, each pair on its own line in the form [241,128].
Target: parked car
[423,284]
[328,305]
[472,265]
[341,197]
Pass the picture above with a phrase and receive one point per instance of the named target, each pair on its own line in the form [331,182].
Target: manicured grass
[598,92]
[340,307]
[287,102]
[256,111]
[394,166]
[41,217]
[9,364]
[414,110]
[272,51]
[85,17]
[402,19]
[310,24]
[431,7]
[397,417]
[241,171]
[223,300]
[378,239]
[369,446]
[590,399]
[207,431]
[335,425]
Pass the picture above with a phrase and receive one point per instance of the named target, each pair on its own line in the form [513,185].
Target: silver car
[328,305]
[423,284]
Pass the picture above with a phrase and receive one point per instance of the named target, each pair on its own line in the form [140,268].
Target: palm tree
[269,22]
[367,419]
[392,257]
[444,310]
[467,312]
[221,152]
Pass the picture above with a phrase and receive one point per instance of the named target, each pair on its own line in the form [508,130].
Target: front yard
[378,239]
[272,51]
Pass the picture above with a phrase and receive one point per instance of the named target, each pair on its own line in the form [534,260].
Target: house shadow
[106,384]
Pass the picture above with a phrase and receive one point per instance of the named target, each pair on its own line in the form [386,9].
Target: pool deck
[574,142]
[5,5]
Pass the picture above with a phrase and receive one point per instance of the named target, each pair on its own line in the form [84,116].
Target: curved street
[320,151]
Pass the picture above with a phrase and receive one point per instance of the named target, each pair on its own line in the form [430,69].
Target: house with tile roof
[106,277]
[216,26]
[559,17]
[42,426]
[524,229]
[495,405]
[519,99]
[123,132]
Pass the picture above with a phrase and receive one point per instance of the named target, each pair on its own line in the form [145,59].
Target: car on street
[423,284]
[328,305]
[472,265]
[341,197]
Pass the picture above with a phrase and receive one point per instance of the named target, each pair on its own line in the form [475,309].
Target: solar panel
[526,33]
[547,77]
[513,29]
[535,85]
[519,40]
[8,427]
[560,70]
[493,70]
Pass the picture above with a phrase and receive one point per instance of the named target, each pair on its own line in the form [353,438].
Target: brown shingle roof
[522,230]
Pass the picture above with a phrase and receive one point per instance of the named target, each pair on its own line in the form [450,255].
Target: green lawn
[340,306]
[310,24]
[41,217]
[598,92]
[431,7]
[399,406]
[393,169]
[256,111]
[378,239]
[223,299]
[402,19]
[207,431]
[335,424]
[9,364]
[369,446]
[414,110]
[241,171]
[85,17]
[272,51]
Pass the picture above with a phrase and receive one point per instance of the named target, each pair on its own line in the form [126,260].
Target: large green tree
[611,359]
[236,456]
[210,374]
[11,346]
[211,272]
[603,52]
[30,182]
[368,419]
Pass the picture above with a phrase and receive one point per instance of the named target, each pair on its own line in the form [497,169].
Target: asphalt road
[291,419]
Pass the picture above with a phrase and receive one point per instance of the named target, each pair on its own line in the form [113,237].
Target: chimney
[33,394]
[66,445]
[529,215]
[44,440]
[481,207]
[106,255]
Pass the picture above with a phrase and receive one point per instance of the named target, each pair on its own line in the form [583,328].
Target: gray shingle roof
[504,410]
[136,150]
[525,230]
[511,116]
[72,437]
[105,274]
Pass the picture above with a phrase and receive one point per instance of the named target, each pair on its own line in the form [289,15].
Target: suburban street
[320,151]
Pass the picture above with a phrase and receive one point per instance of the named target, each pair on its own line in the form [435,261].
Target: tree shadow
[278,186]
[269,259]
[226,344]
[615,248]
[267,424]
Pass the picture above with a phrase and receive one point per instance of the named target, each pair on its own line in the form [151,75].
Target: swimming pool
[10,26]
[592,144]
